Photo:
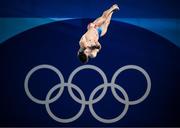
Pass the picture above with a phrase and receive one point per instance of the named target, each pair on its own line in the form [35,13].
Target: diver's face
[91,53]
[87,51]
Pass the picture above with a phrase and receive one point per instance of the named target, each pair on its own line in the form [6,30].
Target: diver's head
[83,56]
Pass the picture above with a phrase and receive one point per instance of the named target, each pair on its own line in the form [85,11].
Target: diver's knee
[103,32]
[93,55]
[107,22]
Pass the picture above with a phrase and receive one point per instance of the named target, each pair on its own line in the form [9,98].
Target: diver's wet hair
[82,57]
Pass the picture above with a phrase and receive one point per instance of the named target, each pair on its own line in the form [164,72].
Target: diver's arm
[98,45]
[83,43]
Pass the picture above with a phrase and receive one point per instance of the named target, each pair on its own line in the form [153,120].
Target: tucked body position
[89,44]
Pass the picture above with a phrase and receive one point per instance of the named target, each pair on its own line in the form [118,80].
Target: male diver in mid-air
[89,44]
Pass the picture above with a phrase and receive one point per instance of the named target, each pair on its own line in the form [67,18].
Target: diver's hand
[95,47]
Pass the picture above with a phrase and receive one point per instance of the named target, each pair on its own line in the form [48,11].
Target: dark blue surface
[89,8]
[57,44]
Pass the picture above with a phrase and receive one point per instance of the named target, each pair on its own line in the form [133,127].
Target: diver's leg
[105,26]
[99,21]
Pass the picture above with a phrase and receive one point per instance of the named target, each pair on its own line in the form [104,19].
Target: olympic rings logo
[112,85]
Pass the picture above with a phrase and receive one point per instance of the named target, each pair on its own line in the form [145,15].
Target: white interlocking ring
[114,119]
[87,67]
[147,79]
[72,118]
[26,85]
[91,100]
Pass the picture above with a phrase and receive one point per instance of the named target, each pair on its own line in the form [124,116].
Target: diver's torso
[91,36]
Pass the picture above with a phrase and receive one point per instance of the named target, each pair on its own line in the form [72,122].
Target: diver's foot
[115,7]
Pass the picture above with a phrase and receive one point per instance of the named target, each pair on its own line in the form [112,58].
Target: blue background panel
[143,33]
[50,44]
